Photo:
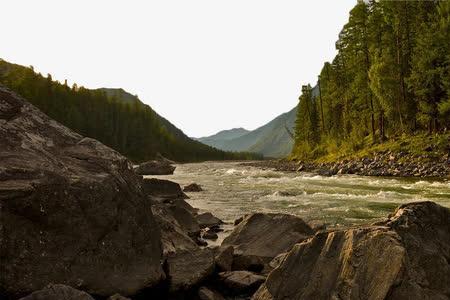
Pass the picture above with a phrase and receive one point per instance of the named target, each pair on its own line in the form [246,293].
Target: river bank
[385,163]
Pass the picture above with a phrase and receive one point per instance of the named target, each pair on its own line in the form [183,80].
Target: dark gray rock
[205,293]
[240,282]
[260,237]
[173,236]
[163,189]
[188,268]
[405,257]
[193,188]
[209,235]
[238,220]
[185,219]
[58,292]
[118,297]
[155,167]
[208,220]
[72,210]
[187,264]
[224,258]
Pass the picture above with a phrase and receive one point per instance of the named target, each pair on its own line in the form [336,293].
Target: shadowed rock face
[405,257]
[72,210]
[155,167]
[58,292]
[260,237]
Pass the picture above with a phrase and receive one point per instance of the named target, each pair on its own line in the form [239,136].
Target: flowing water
[233,190]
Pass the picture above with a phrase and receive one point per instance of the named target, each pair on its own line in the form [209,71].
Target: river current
[232,190]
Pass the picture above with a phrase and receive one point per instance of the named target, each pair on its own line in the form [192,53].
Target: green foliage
[390,77]
[112,117]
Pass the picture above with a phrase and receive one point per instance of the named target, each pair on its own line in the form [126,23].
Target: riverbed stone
[208,220]
[260,237]
[403,257]
[118,297]
[155,167]
[240,282]
[188,268]
[209,235]
[58,292]
[193,188]
[224,258]
[162,189]
[205,293]
[72,210]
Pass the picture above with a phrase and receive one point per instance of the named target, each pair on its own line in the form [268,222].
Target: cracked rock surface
[404,257]
[72,210]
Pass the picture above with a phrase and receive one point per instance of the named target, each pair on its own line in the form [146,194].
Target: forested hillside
[221,139]
[390,78]
[273,139]
[111,116]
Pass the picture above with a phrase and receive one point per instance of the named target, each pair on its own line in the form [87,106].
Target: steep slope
[120,94]
[274,139]
[112,116]
[125,97]
[270,140]
[220,139]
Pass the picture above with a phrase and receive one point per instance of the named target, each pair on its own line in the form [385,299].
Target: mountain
[274,139]
[125,97]
[270,140]
[220,139]
[120,94]
[113,116]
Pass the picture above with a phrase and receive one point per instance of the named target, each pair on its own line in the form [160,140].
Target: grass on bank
[430,146]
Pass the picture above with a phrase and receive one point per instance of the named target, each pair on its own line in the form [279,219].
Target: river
[232,190]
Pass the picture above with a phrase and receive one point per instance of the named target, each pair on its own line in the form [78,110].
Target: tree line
[130,127]
[390,77]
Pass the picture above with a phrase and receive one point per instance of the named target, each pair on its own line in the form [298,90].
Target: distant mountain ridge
[270,140]
[220,139]
[274,139]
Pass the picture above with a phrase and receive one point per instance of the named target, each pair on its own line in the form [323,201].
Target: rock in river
[193,187]
[260,237]
[155,167]
[208,220]
[405,257]
[163,189]
[72,210]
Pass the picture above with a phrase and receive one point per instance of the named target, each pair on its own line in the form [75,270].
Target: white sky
[205,65]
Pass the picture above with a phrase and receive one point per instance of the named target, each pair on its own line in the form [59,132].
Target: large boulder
[207,219]
[187,264]
[58,292]
[259,237]
[405,257]
[72,210]
[193,188]
[205,293]
[155,167]
[162,189]
[240,282]
[187,269]
[173,236]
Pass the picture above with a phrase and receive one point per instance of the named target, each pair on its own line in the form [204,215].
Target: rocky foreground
[77,222]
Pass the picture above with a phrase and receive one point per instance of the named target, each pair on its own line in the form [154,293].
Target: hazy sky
[206,65]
